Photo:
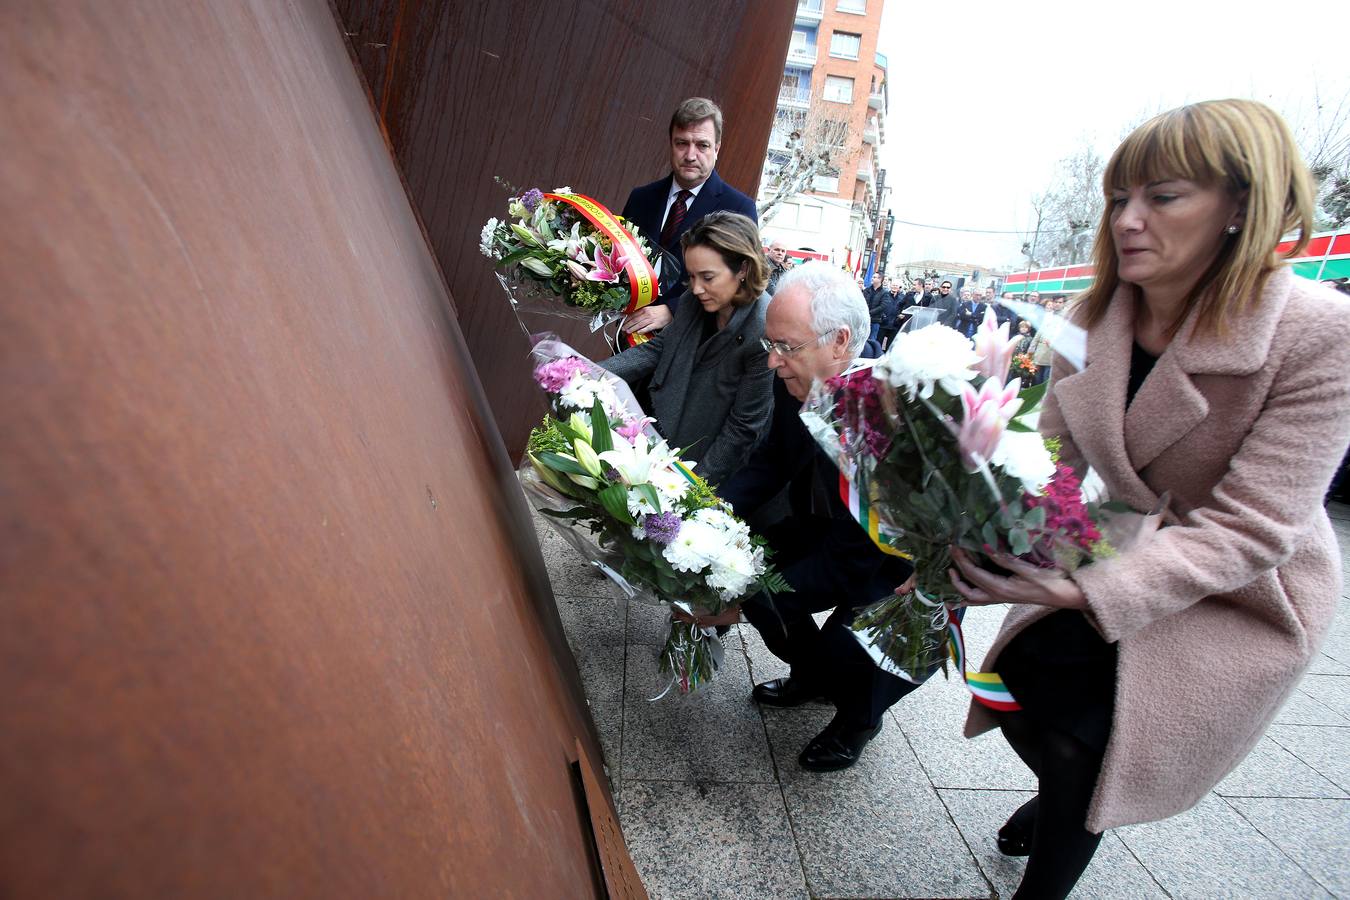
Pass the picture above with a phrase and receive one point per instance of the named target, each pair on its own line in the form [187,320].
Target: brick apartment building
[833,73]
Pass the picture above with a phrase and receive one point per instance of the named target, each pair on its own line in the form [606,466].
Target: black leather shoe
[835,748]
[784,692]
[1014,838]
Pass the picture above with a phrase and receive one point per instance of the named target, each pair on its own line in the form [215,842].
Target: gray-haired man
[814,329]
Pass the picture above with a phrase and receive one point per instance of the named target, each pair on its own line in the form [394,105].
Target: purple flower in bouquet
[986,416]
[662,528]
[531,199]
[554,375]
[608,266]
[994,347]
[859,407]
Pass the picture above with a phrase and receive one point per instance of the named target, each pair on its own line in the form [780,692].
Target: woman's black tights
[1067,771]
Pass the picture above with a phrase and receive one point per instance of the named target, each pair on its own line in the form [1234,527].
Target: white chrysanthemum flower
[486,240]
[1022,455]
[917,361]
[722,521]
[670,486]
[639,533]
[733,570]
[691,550]
[639,504]
[578,393]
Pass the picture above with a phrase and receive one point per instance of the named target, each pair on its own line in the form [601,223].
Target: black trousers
[829,657]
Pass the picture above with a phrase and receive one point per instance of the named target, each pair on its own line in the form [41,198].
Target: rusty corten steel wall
[571,92]
[272,621]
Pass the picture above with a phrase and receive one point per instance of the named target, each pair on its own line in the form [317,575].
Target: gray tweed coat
[714,399]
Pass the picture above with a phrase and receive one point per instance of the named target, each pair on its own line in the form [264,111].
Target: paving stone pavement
[713,803]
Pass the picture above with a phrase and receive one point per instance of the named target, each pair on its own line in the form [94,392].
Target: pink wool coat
[1217,615]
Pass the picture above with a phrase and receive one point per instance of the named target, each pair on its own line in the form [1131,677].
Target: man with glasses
[947,303]
[814,329]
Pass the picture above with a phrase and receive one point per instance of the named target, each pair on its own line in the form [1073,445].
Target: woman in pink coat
[1216,376]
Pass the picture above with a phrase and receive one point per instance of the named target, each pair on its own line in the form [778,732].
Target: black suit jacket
[646,208]
[844,560]
[969,315]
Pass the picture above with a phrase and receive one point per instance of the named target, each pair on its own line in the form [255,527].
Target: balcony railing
[864,174]
[810,11]
[876,100]
[870,134]
[798,97]
[802,54]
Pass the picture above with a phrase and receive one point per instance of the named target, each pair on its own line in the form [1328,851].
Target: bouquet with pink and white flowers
[650,524]
[552,258]
[936,451]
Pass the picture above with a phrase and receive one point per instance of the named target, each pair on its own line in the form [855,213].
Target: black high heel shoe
[1014,838]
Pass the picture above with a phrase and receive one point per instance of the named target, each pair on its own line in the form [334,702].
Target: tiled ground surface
[714,804]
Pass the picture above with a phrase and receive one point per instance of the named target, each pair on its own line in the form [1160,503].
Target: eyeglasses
[783,349]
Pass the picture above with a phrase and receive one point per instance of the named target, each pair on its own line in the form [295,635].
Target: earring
[1232,229]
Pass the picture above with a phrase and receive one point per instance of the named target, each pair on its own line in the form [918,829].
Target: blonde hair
[1240,145]
[736,239]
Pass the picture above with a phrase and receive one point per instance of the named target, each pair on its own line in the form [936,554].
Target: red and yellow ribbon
[641,276]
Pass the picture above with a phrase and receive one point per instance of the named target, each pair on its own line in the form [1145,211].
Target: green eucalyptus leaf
[990,534]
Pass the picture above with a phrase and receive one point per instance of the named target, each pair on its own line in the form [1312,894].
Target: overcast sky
[1005,90]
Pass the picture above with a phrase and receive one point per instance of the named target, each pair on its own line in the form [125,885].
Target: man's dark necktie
[675,217]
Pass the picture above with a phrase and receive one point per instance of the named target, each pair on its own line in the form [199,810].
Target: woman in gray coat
[711,386]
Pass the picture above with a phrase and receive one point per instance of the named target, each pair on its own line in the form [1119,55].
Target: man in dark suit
[946,302]
[969,313]
[823,553]
[915,296]
[1001,313]
[667,208]
[874,295]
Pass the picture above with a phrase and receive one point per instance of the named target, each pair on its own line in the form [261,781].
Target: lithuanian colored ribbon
[641,276]
[859,503]
[686,472]
[987,688]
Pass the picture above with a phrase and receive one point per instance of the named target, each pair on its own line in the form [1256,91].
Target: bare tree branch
[818,140]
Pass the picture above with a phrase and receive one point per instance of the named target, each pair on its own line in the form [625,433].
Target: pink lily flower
[608,266]
[987,413]
[630,429]
[994,347]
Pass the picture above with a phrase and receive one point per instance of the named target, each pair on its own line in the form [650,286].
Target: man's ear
[842,337]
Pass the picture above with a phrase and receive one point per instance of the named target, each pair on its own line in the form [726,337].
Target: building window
[853,6]
[838,89]
[809,217]
[845,45]
[786,216]
[803,42]
[826,184]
